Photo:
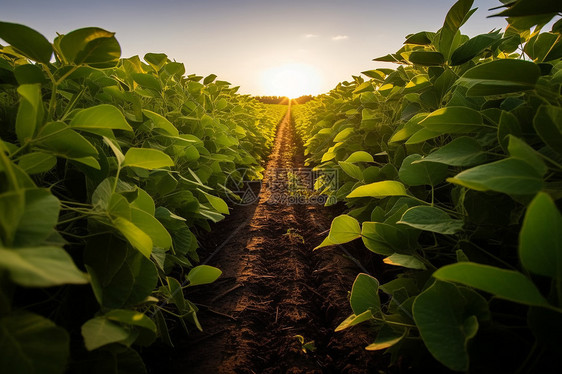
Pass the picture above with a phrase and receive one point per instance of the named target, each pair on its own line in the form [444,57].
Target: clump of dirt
[274,288]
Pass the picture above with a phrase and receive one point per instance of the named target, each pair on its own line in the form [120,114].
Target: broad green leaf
[131,317]
[353,320]
[29,74]
[364,294]
[344,229]
[453,120]
[103,116]
[148,81]
[463,151]
[445,324]
[383,238]
[27,41]
[519,149]
[161,122]
[426,58]
[217,203]
[432,219]
[424,173]
[144,202]
[525,8]
[12,205]
[456,17]
[116,150]
[540,238]
[37,162]
[379,190]
[32,344]
[344,134]
[100,331]
[138,238]
[359,156]
[40,267]
[60,139]
[506,284]
[118,206]
[147,158]
[548,125]
[92,46]
[30,111]
[422,135]
[352,170]
[474,47]
[203,274]
[40,215]
[500,77]
[325,243]
[176,294]
[406,261]
[510,176]
[151,226]
[386,337]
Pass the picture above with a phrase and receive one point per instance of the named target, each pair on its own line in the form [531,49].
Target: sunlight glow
[291,80]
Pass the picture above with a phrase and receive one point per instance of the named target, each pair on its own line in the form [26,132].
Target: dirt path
[274,287]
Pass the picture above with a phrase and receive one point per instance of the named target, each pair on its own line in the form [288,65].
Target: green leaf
[60,139]
[32,344]
[425,173]
[510,176]
[426,58]
[147,158]
[100,331]
[144,202]
[40,267]
[92,46]
[30,111]
[37,162]
[500,77]
[519,149]
[325,243]
[453,120]
[432,219]
[548,125]
[364,294]
[379,190]
[352,170]
[138,238]
[27,41]
[540,238]
[359,156]
[383,238]
[103,116]
[40,215]
[506,284]
[353,320]
[29,74]
[151,226]
[463,151]
[474,47]
[406,261]
[148,81]
[386,337]
[203,274]
[131,317]
[217,203]
[161,122]
[445,324]
[525,8]
[456,17]
[345,133]
[344,229]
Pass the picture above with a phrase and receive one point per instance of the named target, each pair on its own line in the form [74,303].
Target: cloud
[310,36]
[339,37]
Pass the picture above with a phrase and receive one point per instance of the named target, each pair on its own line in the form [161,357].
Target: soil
[273,288]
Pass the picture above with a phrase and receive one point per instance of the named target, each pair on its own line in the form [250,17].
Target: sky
[266,47]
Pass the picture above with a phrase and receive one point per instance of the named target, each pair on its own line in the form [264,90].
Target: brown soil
[274,287]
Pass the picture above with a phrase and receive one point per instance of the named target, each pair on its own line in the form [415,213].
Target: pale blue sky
[241,39]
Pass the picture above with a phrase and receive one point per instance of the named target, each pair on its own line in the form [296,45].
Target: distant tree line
[283,99]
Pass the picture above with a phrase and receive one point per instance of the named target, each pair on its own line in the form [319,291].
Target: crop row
[109,168]
[451,166]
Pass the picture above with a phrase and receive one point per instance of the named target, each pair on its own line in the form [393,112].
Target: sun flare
[291,80]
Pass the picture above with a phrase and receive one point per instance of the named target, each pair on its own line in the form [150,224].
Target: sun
[291,80]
